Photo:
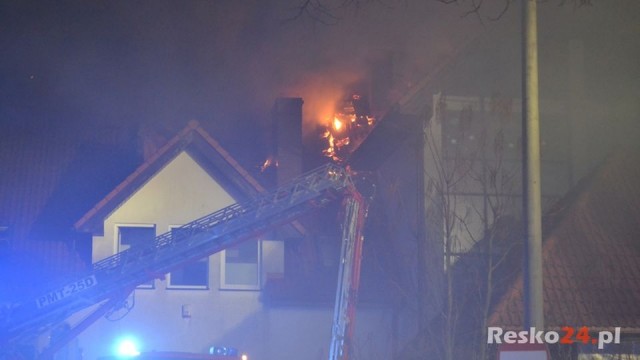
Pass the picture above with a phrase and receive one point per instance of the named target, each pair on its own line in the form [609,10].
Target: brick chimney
[287,138]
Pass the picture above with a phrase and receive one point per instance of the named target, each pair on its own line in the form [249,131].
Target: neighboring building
[591,261]
[49,178]
[473,151]
[437,129]
[219,300]
[591,269]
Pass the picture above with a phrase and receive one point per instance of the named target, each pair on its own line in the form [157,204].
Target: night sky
[75,69]
[74,74]
[108,62]
[101,62]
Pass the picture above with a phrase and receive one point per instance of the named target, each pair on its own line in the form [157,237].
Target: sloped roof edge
[574,232]
[90,221]
[559,211]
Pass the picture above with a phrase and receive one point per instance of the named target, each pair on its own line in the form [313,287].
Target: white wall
[179,193]
[182,192]
[278,333]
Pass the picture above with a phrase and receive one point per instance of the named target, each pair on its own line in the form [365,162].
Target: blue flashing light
[223,351]
[127,347]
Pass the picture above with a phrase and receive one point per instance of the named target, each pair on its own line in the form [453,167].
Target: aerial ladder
[112,279]
[344,315]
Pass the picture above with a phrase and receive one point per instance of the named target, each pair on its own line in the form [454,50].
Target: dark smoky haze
[71,68]
[90,88]
[86,65]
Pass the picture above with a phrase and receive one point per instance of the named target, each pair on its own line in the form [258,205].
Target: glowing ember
[337,124]
[350,126]
[270,161]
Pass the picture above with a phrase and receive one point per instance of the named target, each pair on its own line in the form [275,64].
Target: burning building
[260,296]
[351,123]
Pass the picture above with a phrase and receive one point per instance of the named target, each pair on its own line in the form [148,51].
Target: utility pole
[533,301]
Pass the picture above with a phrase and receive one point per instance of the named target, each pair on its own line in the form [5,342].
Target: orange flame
[270,161]
[337,124]
[346,131]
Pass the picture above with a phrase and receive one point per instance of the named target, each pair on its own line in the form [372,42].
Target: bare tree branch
[506,6]
[328,15]
[315,10]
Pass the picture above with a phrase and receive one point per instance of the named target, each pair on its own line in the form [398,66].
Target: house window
[240,266]
[194,275]
[4,233]
[134,236]
[4,240]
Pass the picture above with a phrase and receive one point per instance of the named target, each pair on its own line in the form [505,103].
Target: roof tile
[591,255]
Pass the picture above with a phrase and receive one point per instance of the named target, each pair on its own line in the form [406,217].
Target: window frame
[223,271]
[117,250]
[190,287]
[5,232]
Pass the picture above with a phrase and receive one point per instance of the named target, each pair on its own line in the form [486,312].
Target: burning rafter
[351,123]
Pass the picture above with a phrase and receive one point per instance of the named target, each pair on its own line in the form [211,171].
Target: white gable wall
[181,192]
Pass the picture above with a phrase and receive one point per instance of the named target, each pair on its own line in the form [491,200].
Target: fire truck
[112,279]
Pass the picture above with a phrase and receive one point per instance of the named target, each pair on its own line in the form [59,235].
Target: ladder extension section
[117,275]
[355,212]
